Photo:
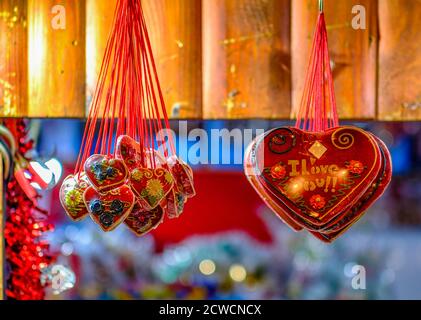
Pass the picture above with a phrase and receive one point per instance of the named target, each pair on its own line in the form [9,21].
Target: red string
[113,89]
[128,99]
[156,79]
[89,130]
[317,111]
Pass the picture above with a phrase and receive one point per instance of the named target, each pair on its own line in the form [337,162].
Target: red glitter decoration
[26,252]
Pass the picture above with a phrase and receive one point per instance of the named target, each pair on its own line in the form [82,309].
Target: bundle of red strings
[317,110]
[127,168]
[128,88]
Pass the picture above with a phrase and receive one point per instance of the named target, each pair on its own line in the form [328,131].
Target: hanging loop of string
[317,111]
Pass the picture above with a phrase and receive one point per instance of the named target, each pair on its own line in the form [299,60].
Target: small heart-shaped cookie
[183,176]
[111,208]
[151,186]
[175,204]
[71,196]
[142,221]
[105,172]
[128,150]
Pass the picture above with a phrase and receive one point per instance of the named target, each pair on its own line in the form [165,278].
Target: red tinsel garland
[26,253]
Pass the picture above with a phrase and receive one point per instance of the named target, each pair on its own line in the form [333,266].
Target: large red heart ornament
[322,182]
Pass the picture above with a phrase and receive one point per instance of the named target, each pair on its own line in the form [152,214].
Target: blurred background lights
[67,248]
[59,278]
[238,273]
[207,267]
[62,279]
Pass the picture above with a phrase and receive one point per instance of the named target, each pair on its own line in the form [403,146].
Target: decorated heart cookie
[151,186]
[311,182]
[142,221]
[71,196]
[342,217]
[109,209]
[317,175]
[105,172]
[175,204]
[183,176]
[128,150]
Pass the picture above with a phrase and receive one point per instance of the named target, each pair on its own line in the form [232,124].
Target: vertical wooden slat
[400,60]
[56,61]
[13,57]
[175,30]
[99,20]
[246,61]
[353,53]
[176,36]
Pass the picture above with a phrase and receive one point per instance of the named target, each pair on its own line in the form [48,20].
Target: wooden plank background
[13,54]
[98,27]
[246,59]
[353,54]
[217,59]
[56,60]
[400,60]
[176,36]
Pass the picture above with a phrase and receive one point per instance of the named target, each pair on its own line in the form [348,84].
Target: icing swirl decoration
[282,143]
[344,141]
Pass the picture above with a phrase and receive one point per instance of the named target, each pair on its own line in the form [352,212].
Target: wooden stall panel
[13,57]
[56,59]
[175,30]
[99,21]
[246,62]
[176,35]
[400,60]
[353,53]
